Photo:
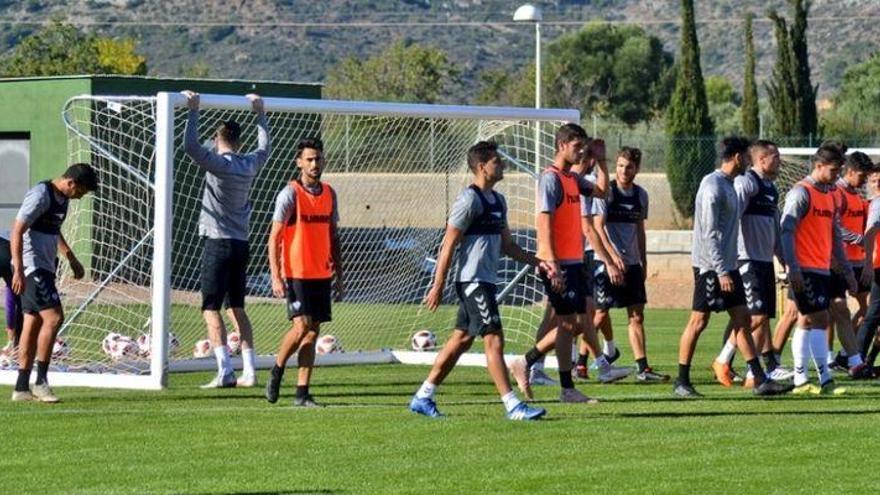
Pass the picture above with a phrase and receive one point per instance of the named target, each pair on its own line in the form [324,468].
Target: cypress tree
[806,103]
[750,122]
[690,149]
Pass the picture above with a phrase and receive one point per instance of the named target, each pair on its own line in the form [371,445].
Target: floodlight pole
[531,13]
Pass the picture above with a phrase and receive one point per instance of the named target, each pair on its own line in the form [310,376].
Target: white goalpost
[396,169]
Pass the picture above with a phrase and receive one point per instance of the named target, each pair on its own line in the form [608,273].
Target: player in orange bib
[868,329]
[304,257]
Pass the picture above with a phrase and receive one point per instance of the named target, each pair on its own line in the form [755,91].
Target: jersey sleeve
[285,205]
[466,208]
[35,203]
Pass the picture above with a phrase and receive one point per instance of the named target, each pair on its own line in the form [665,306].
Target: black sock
[755,368]
[582,359]
[769,361]
[277,371]
[42,370]
[565,380]
[302,391]
[684,373]
[532,357]
[642,363]
[24,378]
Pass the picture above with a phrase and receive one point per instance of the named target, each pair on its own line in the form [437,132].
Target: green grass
[638,440]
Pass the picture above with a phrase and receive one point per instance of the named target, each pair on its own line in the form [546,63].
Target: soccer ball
[60,350]
[144,344]
[202,349]
[119,346]
[424,340]
[328,344]
[7,361]
[233,342]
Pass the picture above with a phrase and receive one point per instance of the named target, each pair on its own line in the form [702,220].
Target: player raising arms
[718,285]
[620,224]
[304,257]
[478,221]
[812,244]
[224,228]
[35,242]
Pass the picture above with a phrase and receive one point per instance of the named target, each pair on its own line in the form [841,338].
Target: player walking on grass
[478,221]
[561,246]
[868,329]
[12,302]
[620,224]
[224,227]
[758,242]
[304,257]
[812,246]
[718,285]
[35,242]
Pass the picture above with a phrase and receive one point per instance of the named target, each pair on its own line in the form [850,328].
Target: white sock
[608,348]
[800,351]
[510,400]
[829,358]
[819,350]
[749,374]
[603,363]
[426,391]
[248,360]
[854,360]
[727,353]
[224,367]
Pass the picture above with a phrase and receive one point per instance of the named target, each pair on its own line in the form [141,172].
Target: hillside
[281,39]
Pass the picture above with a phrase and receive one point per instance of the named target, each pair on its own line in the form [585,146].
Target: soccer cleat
[613,374]
[650,376]
[574,396]
[722,373]
[581,372]
[861,372]
[272,387]
[22,396]
[769,387]
[538,377]
[613,358]
[43,393]
[520,372]
[735,377]
[806,389]
[685,390]
[780,374]
[246,381]
[840,363]
[224,381]
[829,388]
[522,412]
[427,407]
[307,401]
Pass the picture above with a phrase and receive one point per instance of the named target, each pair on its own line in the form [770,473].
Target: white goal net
[396,170]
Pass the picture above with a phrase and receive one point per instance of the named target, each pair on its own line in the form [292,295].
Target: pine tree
[750,121]
[690,150]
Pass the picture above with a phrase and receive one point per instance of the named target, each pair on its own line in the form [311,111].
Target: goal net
[396,169]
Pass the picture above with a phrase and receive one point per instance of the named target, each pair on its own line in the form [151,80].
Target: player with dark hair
[224,225]
[718,285]
[35,242]
[478,221]
[304,258]
[812,245]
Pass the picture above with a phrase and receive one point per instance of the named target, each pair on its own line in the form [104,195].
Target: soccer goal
[396,168]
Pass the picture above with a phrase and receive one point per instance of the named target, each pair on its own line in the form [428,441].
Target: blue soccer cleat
[522,412]
[425,407]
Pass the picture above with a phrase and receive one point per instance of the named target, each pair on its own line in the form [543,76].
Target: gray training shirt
[478,254]
[39,250]
[550,196]
[587,211]
[226,209]
[716,224]
[623,235]
[797,204]
[759,224]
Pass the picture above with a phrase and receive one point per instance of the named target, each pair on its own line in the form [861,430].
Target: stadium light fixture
[532,13]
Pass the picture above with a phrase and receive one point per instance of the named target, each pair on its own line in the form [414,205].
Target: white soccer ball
[202,349]
[144,344]
[60,350]
[6,361]
[108,345]
[424,340]
[233,342]
[328,344]
[119,347]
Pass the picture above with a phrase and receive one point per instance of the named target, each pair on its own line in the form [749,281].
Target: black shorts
[40,292]
[857,271]
[6,262]
[224,273]
[759,282]
[839,286]
[631,293]
[309,297]
[816,295]
[708,296]
[589,265]
[573,299]
[477,308]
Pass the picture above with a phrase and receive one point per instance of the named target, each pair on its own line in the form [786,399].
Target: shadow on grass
[279,492]
[710,414]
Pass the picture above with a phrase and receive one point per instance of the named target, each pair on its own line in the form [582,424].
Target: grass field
[638,440]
